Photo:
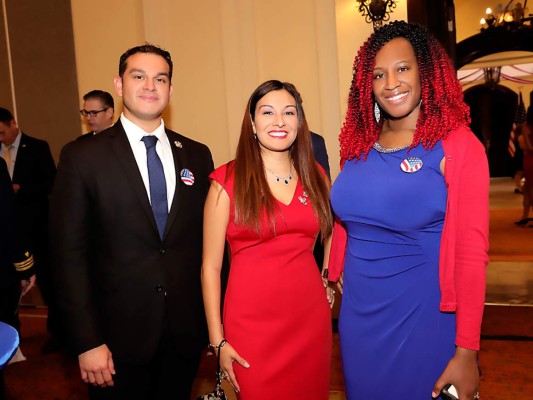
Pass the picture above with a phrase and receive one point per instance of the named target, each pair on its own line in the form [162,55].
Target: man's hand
[96,366]
[27,284]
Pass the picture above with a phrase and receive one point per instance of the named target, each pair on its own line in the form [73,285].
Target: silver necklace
[283,179]
[382,149]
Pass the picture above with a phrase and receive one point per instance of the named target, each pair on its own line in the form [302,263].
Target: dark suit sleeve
[43,173]
[13,249]
[321,154]
[70,239]
[7,198]
[211,165]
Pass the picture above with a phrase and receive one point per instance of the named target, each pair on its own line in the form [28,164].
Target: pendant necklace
[283,179]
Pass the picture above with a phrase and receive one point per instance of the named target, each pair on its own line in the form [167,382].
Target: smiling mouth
[397,97]
[149,99]
[278,134]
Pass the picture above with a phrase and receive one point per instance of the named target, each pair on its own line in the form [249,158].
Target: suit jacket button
[159,288]
[162,251]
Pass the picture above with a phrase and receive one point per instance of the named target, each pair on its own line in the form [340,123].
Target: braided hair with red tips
[442,107]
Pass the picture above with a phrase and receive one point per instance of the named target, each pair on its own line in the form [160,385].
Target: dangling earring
[255,136]
[377,112]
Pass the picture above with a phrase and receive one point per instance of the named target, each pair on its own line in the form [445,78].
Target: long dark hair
[442,108]
[251,191]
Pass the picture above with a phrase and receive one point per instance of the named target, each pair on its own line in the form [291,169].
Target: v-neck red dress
[276,314]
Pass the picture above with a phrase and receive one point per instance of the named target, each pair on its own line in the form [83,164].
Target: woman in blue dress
[413,201]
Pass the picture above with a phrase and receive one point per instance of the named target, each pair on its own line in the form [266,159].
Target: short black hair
[103,96]
[145,48]
[5,116]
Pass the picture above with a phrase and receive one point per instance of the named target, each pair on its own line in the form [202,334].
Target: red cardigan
[464,243]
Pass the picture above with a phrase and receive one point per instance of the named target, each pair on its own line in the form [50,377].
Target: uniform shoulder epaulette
[25,263]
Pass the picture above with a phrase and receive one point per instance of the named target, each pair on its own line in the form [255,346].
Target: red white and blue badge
[187,177]
[411,164]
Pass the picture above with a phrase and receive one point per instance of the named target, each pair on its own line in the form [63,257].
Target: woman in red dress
[269,204]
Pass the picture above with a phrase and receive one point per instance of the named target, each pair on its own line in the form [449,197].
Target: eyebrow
[268,105]
[396,63]
[142,71]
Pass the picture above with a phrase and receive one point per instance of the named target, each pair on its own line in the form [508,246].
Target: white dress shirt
[13,151]
[163,150]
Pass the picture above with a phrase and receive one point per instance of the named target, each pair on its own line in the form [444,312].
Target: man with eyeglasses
[98,109]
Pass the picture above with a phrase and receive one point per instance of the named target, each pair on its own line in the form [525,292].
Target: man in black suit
[321,156]
[98,110]
[16,263]
[320,152]
[32,170]
[127,243]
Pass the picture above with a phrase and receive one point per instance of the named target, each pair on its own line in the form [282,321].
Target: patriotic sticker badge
[411,164]
[187,177]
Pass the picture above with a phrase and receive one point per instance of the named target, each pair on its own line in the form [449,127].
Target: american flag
[187,177]
[519,118]
[411,164]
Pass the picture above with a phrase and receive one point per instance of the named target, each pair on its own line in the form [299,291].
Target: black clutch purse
[217,393]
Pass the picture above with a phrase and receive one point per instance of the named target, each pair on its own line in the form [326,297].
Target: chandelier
[507,17]
[376,11]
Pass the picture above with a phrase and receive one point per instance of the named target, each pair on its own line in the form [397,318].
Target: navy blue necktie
[158,185]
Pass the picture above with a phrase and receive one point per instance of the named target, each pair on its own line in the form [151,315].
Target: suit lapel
[123,153]
[178,155]
[21,155]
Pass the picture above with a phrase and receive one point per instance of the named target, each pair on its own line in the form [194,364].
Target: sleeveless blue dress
[395,343]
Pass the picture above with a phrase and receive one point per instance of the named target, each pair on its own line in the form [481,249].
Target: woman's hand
[330,292]
[340,282]
[330,295]
[462,371]
[228,355]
